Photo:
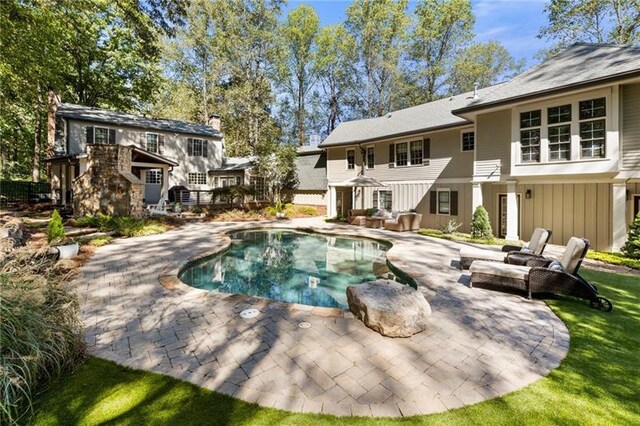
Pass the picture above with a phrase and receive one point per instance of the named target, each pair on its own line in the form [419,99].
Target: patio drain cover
[304,324]
[249,313]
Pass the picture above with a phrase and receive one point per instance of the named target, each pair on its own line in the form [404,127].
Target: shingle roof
[308,149]
[430,116]
[312,171]
[80,112]
[581,64]
[235,164]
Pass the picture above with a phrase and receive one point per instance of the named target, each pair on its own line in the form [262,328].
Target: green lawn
[598,383]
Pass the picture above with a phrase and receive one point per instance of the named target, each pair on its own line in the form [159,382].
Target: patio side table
[374,222]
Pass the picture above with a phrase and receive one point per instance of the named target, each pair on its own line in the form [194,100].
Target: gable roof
[80,112]
[231,164]
[577,66]
[434,115]
[311,169]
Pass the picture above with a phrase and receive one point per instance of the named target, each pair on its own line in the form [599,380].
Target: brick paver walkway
[481,343]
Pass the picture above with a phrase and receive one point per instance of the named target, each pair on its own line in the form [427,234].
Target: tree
[440,28]
[276,164]
[297,72]
[249,48]
[379,28]
[632,246]
[480,225]
[482,63]
[335,57]
[591,21]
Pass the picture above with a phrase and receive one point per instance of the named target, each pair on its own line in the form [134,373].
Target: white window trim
[438,191]
[115,142]
[425,161]
[146,141]
[197,178]
[576,152]
[530,128]
[367,148]
[383,190]
[607,108]
[462,133]
[346,159]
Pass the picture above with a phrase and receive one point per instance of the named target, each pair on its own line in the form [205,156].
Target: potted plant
[280,214]
[177,208]
[55,237]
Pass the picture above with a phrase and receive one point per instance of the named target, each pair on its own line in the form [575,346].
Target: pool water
[290,266]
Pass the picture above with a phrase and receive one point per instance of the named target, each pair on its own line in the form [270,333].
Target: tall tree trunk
[52,106]
[35,173]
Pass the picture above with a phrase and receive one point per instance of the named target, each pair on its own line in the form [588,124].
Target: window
[444,202]
[101,135]
[530,119]
[592,139]
[155,143]
[560,142]
[382,199]
[371,157]
[530,122]
[559,114]
[468,141]
[593,131]
[259,188]
[153,176]
[416,153]
[401,154]
[226,181]
[197,178]
[594,108]
[197,147]
[351,159]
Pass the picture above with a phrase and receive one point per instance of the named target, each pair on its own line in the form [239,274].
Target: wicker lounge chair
[543,276]
[517,255]
[404,222]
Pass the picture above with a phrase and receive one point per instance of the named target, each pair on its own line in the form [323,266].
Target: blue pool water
[290,266]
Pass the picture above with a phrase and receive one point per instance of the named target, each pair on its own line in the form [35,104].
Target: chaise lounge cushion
[538,241]
[500,270]
[572,254]
[482,254]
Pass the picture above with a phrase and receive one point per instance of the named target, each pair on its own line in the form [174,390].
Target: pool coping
[169,277]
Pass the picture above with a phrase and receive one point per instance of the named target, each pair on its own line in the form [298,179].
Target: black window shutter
[160,144]
[89,134]
[205,144]
[426,148]
[392,156]
[453,199]
[433,205]
[112,136]
[190,146]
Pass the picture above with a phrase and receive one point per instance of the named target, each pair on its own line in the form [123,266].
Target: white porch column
[331,202]
[164,190]
[512,212]
[476,195]
[63,184]
[619,215]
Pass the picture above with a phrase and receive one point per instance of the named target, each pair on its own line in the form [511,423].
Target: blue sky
[514,23]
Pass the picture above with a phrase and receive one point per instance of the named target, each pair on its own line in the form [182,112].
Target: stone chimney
[53,101]
[214,121]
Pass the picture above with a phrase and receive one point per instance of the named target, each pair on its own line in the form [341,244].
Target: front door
[502,209]
[153,186]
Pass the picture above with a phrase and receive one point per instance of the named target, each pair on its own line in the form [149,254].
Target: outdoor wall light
[528,194]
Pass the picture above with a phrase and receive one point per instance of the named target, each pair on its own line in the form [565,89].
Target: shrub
[480,226]
[40,332]
[55,230]
[126,226]
[269,211]
[451,227]
[308,210]
[632,246]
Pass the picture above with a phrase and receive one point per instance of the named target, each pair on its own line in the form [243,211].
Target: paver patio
[480,344]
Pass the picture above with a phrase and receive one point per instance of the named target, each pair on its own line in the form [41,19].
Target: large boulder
[390,308]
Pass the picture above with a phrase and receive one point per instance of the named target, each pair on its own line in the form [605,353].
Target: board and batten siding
[580,210]
[446,160]
[310,198]
[493,144]
[631,127]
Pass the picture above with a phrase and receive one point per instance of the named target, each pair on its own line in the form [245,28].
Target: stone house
[557,147]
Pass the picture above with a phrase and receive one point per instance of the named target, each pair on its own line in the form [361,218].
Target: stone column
[512,212]
[619,215]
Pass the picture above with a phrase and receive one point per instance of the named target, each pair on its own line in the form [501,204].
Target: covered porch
[153,170]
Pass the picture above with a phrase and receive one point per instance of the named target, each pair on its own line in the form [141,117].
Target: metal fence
[14,192]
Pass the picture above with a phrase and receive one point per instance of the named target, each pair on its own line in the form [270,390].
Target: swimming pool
[290,266]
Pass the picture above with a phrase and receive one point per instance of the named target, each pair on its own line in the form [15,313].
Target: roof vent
[475,90]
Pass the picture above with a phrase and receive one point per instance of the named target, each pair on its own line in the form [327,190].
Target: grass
[461,237]
[596,384]
[614,259]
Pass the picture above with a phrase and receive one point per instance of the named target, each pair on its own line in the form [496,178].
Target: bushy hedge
[480,225]
[40,332]
[632,246]
[123,225]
